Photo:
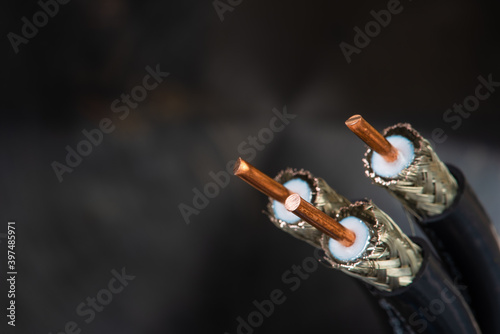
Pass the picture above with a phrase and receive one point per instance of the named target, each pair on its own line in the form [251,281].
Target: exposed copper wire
[260,181]
[372,137]
[319,219]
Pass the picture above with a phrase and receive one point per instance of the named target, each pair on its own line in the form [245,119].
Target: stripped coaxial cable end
[314,190]
[326,202]
[417,178]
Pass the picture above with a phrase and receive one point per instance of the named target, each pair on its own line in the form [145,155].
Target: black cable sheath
[466,240]
[430,304]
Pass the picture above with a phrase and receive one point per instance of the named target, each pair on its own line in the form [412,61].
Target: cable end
[240,167]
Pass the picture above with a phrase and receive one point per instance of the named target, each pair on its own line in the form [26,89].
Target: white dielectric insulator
[298,186]
[406,154]
[358,248]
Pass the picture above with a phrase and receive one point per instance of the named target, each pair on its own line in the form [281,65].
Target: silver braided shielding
[391,260]
[426,187]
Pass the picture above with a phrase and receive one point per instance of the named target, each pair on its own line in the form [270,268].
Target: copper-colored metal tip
[372,137]
[317,218]
[353,120]
[239,167]
[260,181]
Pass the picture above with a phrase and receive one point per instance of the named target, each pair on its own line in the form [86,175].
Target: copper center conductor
[260,181]
[319,220]
[372,137]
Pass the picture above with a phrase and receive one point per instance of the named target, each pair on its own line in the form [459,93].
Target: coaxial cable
[305,210]
[446,208]
[404,278]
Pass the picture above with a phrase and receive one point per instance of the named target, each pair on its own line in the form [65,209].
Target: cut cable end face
[240,167]
[358,248]
[292,202]
[353,120]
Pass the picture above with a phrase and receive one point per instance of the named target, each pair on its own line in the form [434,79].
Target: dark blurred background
[120,207]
